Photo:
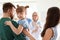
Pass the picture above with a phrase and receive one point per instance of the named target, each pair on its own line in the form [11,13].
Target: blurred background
[39,6]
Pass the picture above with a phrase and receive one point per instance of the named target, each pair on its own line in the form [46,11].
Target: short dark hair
[7,6]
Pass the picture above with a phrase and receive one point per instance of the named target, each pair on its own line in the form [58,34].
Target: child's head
[21,11]
[35,16]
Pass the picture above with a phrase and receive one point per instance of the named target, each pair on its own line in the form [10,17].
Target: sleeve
[30,27]
[25,25]
[20,22]
[40,28]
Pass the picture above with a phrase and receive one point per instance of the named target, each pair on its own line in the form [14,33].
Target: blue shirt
[23,22]
[29,20]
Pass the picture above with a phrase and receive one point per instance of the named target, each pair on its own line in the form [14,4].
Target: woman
[50,31]
[35,28]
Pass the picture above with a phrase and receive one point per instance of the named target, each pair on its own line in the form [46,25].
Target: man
[5,31]
[35,28]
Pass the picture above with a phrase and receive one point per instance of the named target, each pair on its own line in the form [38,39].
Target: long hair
[52,19]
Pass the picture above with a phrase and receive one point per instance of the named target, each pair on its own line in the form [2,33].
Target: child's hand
[8,23]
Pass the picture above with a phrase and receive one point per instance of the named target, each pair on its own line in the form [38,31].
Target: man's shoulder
[5,19]
[1,20]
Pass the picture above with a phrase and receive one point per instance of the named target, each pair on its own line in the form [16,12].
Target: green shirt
[5,31]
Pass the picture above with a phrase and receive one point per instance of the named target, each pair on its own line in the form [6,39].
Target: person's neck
[5,15]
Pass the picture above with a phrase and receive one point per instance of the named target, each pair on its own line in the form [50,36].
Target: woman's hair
[52,19]
[21,8]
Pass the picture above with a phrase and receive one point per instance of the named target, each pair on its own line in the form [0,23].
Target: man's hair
[7,6]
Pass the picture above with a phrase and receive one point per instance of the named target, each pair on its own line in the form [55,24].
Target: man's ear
[26,6]
[9,10]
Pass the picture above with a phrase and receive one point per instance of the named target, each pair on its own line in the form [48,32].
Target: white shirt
[35,26]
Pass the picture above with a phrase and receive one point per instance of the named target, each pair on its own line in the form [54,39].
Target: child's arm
[27,33]
[17,31]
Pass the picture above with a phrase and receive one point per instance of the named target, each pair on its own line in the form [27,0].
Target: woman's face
[35,16]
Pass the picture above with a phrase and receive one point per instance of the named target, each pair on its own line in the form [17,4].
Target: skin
[21,15]
[48,34]
[35,16]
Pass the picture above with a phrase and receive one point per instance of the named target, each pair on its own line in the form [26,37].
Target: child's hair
[21,8]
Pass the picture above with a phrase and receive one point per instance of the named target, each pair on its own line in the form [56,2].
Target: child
[23,24]
[5,31]
[21,13]
[35,26]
